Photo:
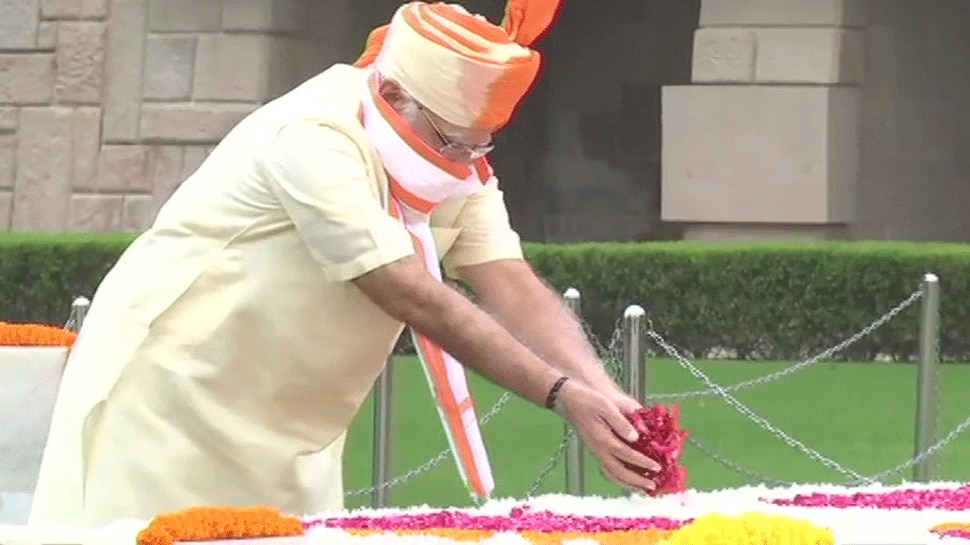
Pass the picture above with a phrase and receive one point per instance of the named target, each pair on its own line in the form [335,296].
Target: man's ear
[392,91]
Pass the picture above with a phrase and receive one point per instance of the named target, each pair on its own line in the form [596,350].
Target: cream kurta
[227,352]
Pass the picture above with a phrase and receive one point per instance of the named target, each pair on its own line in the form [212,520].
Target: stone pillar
[765,141]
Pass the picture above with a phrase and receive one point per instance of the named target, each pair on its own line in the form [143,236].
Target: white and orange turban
[460,66]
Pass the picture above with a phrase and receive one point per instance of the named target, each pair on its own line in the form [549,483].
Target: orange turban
[460,66]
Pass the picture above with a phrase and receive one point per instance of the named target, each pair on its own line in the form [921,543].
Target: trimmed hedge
[779,301]
[41,274]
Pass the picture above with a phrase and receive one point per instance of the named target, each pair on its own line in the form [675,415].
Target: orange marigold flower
[214,523]
[35,335]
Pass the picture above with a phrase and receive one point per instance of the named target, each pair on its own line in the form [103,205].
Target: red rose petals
[662,440]
[945,499]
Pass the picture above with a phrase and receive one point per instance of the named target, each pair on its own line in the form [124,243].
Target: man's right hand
[601,424]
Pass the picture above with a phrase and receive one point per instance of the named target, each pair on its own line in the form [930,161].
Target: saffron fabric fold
[421,179]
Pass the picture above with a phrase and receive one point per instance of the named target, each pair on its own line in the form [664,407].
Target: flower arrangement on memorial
[35,335]
[534,527]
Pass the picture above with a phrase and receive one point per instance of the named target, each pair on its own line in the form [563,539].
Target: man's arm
[407,292]
[535,314]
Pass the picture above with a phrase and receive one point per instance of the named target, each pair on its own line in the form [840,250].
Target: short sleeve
[322,181]
[486,234]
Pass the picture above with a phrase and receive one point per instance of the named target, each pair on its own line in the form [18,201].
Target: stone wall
[105,107]
[780,118]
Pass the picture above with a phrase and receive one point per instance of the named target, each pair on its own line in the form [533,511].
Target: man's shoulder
[332,90]
[331,98]
[338,76]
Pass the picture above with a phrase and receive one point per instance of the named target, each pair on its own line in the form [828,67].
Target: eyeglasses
[457,151]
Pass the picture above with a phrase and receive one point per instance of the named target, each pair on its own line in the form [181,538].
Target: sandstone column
[765,141]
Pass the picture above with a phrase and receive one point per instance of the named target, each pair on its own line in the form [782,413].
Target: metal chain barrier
[746,411]
[724,392]
[750,474]
[868,330]
[610,356]
[878,477]
[933,449]
[433,462]
[551,464]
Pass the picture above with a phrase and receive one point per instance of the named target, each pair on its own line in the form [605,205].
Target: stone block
[123,168]
[169,61]
[192,123]
[86,138]
[844,13]
[80,62]
[74,9]
[42,188]
[26,78]
[8,119]
[8,161]
[165,166]
[47,36]
[139,213]
[217,74]
[18,24]
[760,154]
[810,55]
[185,15]
[262,16]
[724,55]
[123,69]
[6,209]
[96,213]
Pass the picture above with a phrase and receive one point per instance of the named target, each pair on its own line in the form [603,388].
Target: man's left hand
[624,402]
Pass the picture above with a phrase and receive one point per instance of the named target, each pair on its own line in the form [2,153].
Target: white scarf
[420,179]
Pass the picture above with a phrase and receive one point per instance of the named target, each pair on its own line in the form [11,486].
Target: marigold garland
[717,529]
[213,523]
[35,335]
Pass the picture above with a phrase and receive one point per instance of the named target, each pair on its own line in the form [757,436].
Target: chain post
[383,392]
[575,455]
[79,312]
[928,379]
[634,319]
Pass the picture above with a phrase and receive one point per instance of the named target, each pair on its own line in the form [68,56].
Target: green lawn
[861,415]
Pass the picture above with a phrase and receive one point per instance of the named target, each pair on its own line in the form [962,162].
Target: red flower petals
[662,440]
[520,519]
[945,499]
